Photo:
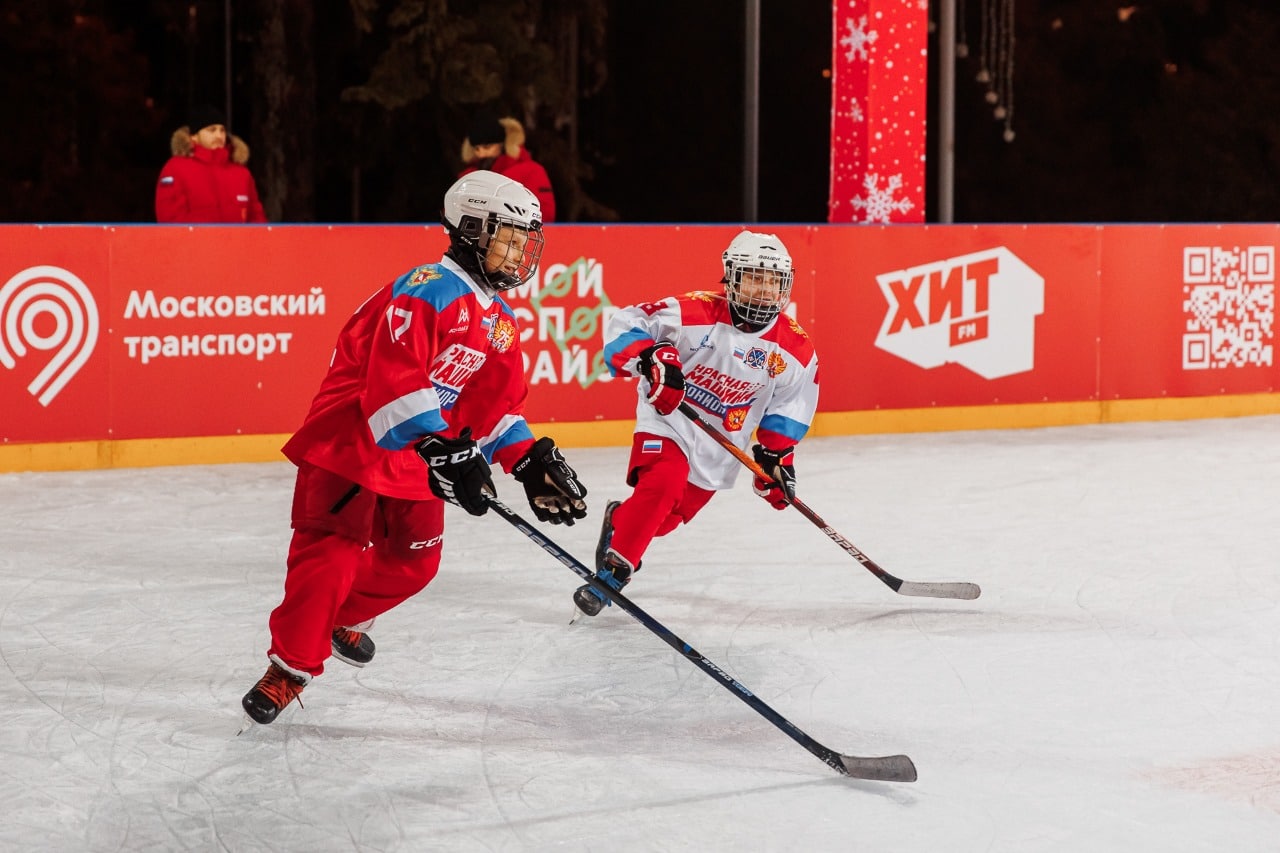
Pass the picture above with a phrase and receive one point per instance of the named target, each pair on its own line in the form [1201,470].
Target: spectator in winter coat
[206,180]
[498,146]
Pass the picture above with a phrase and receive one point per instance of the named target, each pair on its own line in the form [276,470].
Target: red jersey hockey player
[425,388]
[735,356]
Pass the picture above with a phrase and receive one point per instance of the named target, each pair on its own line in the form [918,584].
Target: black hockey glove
[458,471]
[780,465]
[554,491]
[660,364]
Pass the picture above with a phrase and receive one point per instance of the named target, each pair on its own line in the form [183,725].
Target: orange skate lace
[346,635]
[280,687]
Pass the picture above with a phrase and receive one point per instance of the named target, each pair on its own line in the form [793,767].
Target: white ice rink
[1115,688]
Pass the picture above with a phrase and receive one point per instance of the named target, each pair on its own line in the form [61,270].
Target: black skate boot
[606,533]
[353,647]
[274,691]
[587,599]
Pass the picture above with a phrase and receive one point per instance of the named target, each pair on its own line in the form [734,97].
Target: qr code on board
[1230,306]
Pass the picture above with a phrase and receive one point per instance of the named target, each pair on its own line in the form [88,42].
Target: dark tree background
[1166,110]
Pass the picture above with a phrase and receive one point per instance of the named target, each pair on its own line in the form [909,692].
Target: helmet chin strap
[744,324]
[504,281]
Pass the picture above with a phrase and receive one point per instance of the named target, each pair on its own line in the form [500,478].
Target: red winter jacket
[207,184]
[515,162]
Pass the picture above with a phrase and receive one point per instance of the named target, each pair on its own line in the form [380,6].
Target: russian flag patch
[651,445]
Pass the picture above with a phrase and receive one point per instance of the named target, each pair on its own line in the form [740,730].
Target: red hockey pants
[354,555]
[663,498]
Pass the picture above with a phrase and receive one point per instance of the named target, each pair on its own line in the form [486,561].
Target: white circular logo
[27,302]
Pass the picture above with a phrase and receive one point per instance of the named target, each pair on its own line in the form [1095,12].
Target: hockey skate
[353,647]
[611,567]
[274,691]
[616,572]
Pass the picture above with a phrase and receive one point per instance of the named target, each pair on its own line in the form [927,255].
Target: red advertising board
[56,382]
[1189,310]
[228,330]
[151,332]
[915,317]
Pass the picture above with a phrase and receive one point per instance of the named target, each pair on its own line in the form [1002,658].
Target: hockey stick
[928,589]
[889,768]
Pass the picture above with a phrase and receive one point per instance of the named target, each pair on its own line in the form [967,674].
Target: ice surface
[1115,688]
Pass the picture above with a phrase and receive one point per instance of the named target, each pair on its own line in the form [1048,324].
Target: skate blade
[246,723]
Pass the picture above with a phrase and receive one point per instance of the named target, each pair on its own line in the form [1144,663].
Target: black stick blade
[888,768]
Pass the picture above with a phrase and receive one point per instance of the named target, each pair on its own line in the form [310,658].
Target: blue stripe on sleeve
[620,344]
[518,432]
[405,418]
[793,430]
[400,436]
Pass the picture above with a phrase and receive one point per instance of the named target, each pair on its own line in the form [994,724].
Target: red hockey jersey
[429,353]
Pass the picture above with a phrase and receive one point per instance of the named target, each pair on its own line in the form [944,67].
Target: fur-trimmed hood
[181,145]
[511,145]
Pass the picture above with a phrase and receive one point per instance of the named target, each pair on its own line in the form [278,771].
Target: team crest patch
[735,417]
[422,275]
[502,335]
[754,358]
[776,365]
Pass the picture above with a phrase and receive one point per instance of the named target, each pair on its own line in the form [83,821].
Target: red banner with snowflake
[879,89]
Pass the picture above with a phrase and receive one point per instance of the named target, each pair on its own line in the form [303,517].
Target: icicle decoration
[1005,111]
[996,60]
[984,43]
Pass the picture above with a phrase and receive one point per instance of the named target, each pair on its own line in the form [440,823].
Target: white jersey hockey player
[734,356]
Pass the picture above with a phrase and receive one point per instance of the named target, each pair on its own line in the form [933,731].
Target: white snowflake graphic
[880,203]
[855,110]
[857,38]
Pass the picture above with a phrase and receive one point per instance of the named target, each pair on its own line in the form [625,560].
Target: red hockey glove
[780,465]
[660,364]
[457,471]
[555,493]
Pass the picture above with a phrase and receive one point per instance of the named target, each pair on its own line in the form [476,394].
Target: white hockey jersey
[741,382]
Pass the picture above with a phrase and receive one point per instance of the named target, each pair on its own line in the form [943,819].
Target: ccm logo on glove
[457,471]
[554,491]
[660,364]
[780,466]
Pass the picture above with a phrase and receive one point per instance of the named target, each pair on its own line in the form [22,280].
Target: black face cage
[518,266]
[760,308]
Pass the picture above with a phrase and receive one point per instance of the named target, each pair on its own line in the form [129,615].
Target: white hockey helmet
[476,208]
[767,265]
